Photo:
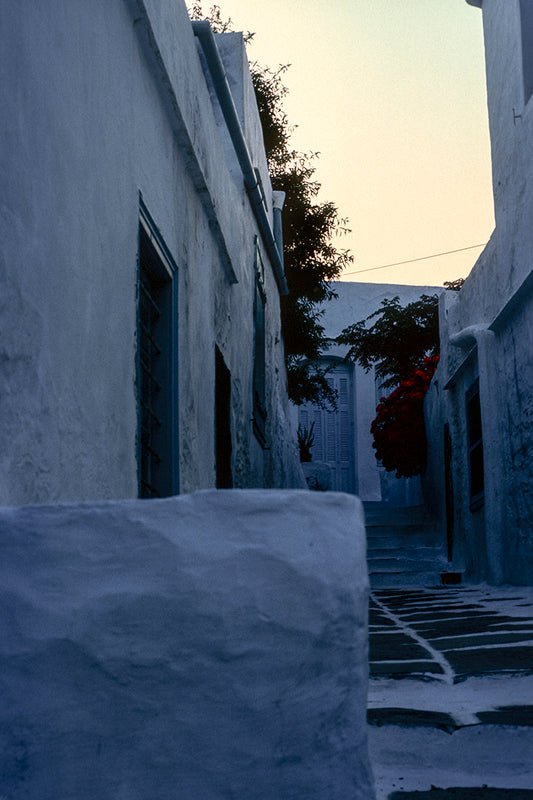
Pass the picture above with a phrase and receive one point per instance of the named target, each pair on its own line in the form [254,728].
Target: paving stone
[508,715]
[502,599]
[415,608]
[381,619]
[527,625]
[458,627]
[384,593]
[433,599]
[372,629]
[412,608]
[444,614]
[411,718]
[422,600]
[484,661]
[458,642]
[468,634]
[396,638]
[390,647]
[404,668]
[428,603]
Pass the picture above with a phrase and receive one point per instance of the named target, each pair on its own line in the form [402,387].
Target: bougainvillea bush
[398,429]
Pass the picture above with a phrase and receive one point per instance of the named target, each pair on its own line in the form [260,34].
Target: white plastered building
[140,274]
[480,406]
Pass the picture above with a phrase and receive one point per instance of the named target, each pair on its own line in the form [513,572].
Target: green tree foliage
[310,225]
[398,341]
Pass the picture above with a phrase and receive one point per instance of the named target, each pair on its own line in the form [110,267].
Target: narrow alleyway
[451,692]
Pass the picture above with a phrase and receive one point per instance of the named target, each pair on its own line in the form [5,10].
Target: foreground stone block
[202,647]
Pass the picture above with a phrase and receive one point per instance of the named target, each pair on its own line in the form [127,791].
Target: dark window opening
[475,447]
[448,480]
[156,367]
[259,375]
[224,477]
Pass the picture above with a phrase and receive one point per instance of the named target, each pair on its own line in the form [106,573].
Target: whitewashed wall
[200,647]
[487,332]
[101,101]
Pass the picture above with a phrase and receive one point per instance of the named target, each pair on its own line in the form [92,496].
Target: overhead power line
[412,260]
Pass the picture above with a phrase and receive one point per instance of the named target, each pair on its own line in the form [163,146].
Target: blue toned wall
[487,334]
[102,103]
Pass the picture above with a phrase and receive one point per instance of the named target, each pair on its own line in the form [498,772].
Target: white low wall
[202,647]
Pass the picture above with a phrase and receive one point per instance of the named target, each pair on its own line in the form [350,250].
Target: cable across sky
[412,260]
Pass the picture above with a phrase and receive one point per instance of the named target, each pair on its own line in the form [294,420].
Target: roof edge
[476,3]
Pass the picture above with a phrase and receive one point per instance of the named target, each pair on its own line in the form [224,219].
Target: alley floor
[451,692]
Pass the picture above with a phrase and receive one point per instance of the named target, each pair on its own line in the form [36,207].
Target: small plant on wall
[306,437]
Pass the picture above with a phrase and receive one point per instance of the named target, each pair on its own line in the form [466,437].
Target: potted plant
[306,438]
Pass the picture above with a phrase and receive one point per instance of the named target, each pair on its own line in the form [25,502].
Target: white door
[334,442]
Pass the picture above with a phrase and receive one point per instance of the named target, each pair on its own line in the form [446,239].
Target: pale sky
[392,94]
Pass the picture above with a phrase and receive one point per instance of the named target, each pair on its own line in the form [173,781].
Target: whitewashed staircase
[403,547]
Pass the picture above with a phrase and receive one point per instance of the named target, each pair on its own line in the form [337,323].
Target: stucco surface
[202,647]
[517,423]
[490,321]
[102,102]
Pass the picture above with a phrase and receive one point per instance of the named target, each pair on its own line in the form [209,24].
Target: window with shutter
[526,24]
[157,316]
[259,375]
[334,441]
[475,447]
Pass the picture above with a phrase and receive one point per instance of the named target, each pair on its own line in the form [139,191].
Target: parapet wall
[201,647]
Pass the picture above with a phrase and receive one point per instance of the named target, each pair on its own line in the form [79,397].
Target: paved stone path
[451,634]
[451,660]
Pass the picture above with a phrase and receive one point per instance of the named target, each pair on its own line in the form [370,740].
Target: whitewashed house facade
[140,273]
[480,406]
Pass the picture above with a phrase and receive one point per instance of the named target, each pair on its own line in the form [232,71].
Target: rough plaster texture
[495,543]
[100,102]
[233,54]
[197,648]
[355,301]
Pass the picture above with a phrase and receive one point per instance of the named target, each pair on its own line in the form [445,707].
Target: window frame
[526,40]
[474,441]
[155,260]
[259,350]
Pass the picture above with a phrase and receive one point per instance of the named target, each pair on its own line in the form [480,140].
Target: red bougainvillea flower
[398,429]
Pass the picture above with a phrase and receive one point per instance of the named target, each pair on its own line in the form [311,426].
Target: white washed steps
[402,547]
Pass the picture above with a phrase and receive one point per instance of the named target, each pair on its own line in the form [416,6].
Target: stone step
[406,532]
[404,565]
[399,543]
[395,543]
[403,548]
[382,515]
[390,580]
[394,539]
